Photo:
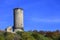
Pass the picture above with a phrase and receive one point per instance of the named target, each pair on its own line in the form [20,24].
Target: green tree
[10,36]
[2,36]
[27,36]
[38,36]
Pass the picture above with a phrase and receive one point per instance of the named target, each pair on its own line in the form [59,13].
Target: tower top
[18,8]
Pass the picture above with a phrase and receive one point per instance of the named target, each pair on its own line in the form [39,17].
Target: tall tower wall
[18,19]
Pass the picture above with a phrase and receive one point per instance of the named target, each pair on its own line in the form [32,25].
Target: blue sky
[38,14]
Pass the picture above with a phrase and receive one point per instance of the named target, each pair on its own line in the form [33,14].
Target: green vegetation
[30,35]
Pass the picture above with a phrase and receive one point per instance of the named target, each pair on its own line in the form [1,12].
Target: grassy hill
[30,35]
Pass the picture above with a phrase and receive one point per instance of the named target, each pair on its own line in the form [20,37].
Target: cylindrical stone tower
[18,19]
